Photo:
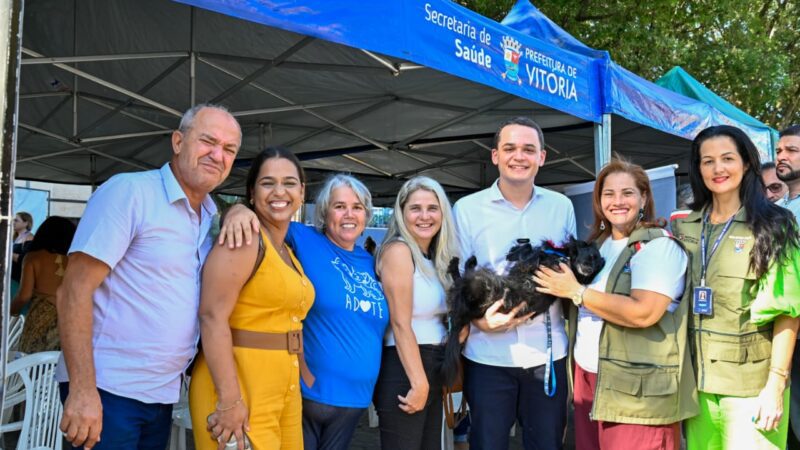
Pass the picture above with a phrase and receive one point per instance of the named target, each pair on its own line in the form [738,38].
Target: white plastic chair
[15,325]
[39,426]
[181,419]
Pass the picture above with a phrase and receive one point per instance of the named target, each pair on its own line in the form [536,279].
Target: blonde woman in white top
[412,264]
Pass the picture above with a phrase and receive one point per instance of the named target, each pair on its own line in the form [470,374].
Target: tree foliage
[747,51]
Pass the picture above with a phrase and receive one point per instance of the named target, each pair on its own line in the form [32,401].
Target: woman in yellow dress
[247,377]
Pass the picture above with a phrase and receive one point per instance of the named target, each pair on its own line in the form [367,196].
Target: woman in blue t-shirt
[343,331]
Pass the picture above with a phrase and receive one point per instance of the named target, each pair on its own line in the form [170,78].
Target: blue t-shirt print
[364,293]
[343,332]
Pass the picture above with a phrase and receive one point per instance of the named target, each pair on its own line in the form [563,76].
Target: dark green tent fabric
[678,80]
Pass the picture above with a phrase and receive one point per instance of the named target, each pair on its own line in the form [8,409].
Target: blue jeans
[498,396]
[327,427]
[129,423]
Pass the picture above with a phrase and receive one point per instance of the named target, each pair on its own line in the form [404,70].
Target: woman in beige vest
[633,381]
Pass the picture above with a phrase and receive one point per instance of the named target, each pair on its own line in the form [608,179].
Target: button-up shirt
[145,327]
[488,226]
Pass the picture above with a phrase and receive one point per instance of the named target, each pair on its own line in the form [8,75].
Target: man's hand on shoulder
[238,225]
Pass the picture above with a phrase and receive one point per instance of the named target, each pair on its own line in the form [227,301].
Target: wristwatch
[577,298]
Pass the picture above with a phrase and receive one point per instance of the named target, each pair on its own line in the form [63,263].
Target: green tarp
[678,80]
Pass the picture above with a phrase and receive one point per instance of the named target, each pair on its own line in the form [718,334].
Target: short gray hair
[324,197]
[187,121]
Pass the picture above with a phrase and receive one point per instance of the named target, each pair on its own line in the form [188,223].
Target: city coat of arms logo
[511,53]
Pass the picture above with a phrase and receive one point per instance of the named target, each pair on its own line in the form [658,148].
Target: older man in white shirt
[128,305]
[515,367]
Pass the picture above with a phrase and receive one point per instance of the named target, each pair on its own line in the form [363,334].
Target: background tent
[680,81]
[644,116]
[385,99]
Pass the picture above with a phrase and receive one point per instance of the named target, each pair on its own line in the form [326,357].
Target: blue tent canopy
[384,89]
[527,19]
[442,35]
[638,100]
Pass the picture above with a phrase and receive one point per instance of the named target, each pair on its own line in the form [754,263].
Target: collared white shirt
[145,326]
[488,226]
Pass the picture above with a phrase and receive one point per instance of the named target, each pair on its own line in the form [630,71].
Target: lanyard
[704,260]
[549,370]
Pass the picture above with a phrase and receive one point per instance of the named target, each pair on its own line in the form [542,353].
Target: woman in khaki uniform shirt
[745,284]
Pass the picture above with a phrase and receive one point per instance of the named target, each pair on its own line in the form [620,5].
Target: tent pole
[75,77]
[602,143]
[109,85]
[79,147]
[383,61]
[192,61]
[101,58]
[10,45]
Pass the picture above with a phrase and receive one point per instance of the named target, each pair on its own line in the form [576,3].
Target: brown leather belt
[292,342]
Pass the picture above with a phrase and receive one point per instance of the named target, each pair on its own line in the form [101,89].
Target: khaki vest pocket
[659,384]
[639,381]
[759,351]
[724,351]
[624,382]
[636,394]
[739,350]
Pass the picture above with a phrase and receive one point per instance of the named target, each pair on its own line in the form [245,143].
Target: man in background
[773,187]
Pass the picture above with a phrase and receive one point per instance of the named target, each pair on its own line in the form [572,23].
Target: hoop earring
[602,225]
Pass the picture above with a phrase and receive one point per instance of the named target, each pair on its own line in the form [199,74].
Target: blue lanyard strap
[549,370]
[705,259]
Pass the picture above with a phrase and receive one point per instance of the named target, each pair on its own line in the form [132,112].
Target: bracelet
[778,371]
[234,405]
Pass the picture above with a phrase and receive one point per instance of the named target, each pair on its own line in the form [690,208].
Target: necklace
[280,248]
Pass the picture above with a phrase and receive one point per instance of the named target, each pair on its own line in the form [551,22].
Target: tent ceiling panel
[319,98]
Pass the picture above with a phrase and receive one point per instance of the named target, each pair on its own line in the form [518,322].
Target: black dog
[473,293]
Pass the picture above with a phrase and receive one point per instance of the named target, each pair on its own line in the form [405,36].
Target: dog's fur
[473,293]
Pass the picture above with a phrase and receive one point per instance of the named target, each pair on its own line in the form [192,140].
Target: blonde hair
[27,218]
[444,245]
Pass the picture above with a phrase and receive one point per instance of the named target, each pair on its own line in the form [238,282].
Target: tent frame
[82,141]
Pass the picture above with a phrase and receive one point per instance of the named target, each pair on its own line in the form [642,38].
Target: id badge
[703,300]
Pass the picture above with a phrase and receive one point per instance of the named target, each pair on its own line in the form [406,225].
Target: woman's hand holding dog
[494,320]
[561,284]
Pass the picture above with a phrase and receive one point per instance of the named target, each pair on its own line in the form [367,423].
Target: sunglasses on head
[775,187]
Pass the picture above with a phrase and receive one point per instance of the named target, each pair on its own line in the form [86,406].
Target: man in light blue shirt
[127,308]
[511,362]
